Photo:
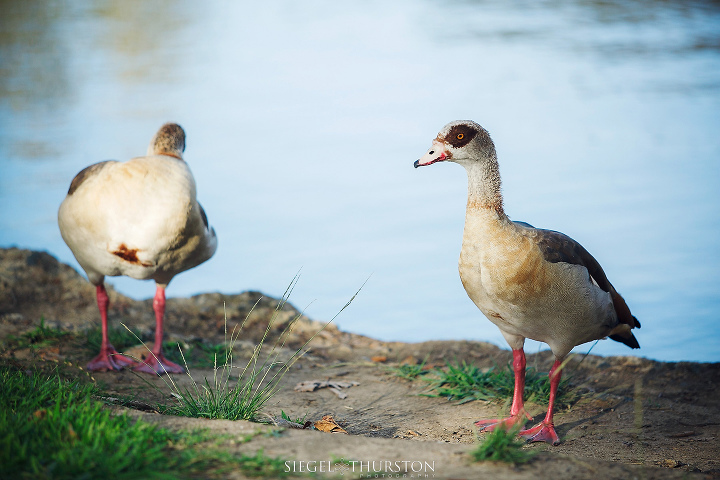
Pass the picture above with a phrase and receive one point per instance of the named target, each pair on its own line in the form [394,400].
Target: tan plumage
[138,218]
[531,283]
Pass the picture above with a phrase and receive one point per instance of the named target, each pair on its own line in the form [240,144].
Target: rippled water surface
[303,121]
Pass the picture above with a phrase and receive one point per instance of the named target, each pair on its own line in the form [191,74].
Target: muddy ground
[633,418]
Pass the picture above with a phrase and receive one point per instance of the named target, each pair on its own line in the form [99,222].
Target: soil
[634,418]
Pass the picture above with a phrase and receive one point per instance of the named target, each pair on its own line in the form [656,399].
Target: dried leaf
[309,386]
[334,386]
[409,360]
[670,463]
[329,425]
[341,395]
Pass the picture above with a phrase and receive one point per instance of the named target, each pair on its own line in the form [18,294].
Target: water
[303,123]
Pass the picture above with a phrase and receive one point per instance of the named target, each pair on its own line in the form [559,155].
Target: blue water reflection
[303,122]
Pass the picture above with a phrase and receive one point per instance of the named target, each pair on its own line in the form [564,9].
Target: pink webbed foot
[157,363]
[109,359]
[506,423]
[542,432]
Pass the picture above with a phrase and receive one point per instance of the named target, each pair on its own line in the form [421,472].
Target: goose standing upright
[141,219]
[531,283]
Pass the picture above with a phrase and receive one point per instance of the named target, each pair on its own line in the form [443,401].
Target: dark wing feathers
[630,341]
[558,247]
[204,217]
[85,173]
[524,224]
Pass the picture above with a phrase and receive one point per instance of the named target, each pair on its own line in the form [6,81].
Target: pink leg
[517,410]
[545,430]
[109,358]
[156,362]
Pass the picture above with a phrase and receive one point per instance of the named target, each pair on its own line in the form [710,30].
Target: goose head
[169,140]
[462,141]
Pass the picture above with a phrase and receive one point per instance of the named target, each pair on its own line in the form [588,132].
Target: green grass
[502,445]
[300,420]
[41,336]
[53,429]
[197,354]
[239,392]
[119,337]
[409,372]
[260,465]
[465,382]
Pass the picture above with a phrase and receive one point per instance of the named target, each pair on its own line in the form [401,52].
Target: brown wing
[204,217]
[558,247]
[86,173]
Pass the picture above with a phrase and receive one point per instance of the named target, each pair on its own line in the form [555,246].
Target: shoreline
[633,417]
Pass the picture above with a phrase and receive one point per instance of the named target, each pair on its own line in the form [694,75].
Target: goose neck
[484,188]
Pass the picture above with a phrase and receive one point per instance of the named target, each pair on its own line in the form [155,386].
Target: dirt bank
[634,418]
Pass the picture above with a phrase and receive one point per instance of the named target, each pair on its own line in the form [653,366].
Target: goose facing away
[531,283]
[141,219]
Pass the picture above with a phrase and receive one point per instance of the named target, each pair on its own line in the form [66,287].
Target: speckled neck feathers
[484,186]
[169,140]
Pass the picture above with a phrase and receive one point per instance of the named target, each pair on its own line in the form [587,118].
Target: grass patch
[196,354]
[239,392]
[300,420]
[260,465]
[465,382]
[41,336]
[502,445]
[409,372]
[53,429]
[119,337]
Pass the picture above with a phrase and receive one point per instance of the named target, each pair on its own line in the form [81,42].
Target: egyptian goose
[138,218]
[531,283]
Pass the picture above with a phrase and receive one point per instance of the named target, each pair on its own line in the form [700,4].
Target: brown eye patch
[460,135]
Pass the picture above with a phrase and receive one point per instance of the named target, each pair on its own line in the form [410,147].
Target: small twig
[281,422]
[128,403]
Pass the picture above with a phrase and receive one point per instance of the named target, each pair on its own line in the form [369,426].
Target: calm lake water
[303,122]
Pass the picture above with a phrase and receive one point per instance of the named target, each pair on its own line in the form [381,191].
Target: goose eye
[460,136]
